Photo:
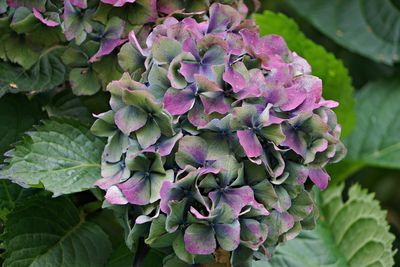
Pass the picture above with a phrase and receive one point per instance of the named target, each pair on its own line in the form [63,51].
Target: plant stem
[222,259]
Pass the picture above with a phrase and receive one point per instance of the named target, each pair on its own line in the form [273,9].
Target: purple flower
[110,38]
[234,124]
[200,238]
[203,96]
[76,22]
[143,186]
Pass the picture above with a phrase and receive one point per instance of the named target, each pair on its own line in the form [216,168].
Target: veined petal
[178,102]
[250,143]
[319,177]
[200,239]
[130,118]
[48,22]
[228,235]
[115,196]
[137,189]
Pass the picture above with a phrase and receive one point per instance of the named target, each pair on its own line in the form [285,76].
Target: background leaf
[352,233]
[61,155]
[52,232]
[375,140]
[335,77]
[367,27]
[17,115]
[121,257]
[47,73]
[10,195]
[65,104]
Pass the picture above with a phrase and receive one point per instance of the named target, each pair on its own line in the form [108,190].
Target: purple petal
[178,102]
[259,208]
[199,239]
[45,21]
[111,38]
[206,170]
[313,87]
[214,103]
[115,196]
[112,174]
[117,3]
[197,116]
[136,190]
[134,41]
[165,197]
[228,235]
[193,147]
[287,221]
[250,143]
[319,177]
[300,65]
[70,24]
[106,47]
[294,141]
[166,146]
[222,18]
[189,69]
[274,45]
[190,47]
[294,97]
[328,103]
[197,214]
[253,233]
[235,79]
[236,198]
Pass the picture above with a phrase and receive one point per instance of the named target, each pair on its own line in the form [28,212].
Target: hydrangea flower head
[216,138]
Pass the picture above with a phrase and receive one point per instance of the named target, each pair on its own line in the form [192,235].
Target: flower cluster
[216,137]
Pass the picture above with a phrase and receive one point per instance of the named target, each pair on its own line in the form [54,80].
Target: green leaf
[336,80]
[52,232]
[121,257]
[10,195]
[352,233]
[17,115]
[18,51]
[61,155]
[66,104]
[47,73]
[367,27]
[375,140]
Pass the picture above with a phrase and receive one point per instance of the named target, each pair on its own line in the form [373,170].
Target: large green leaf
[47,73]
[45,232]
[65,104]
[10,194]
[335,77]
[352,233]
[61,155]
[368,27]
[17,115]
[121,257]
[375,140]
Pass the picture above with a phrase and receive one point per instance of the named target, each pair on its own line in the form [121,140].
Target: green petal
[149,134]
